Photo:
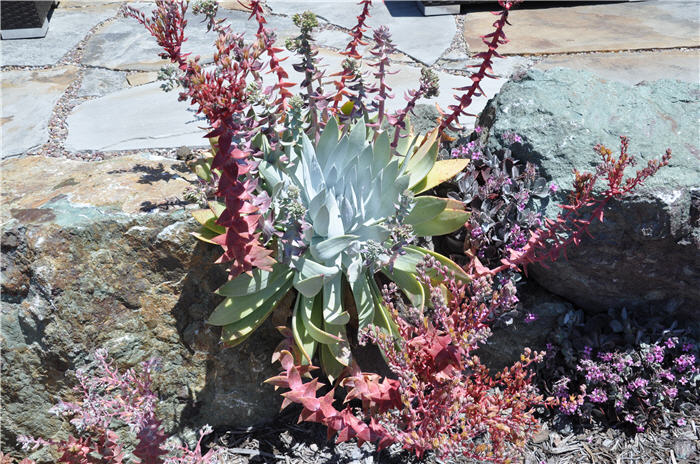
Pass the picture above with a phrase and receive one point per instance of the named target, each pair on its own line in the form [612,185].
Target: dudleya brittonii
[343,208]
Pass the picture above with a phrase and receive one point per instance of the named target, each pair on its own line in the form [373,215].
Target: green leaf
[233,310]
[247,284]
[333,302]
[302,337]
[202,167]
[347,107]
[381,153]
[327,142]
[442,171]
[311,313]
[382,318]
[444,223]
[364,302]
[419,165]
[330,248]
[330,364]
[425,208]
[208,219]
[217,207]
[409,284]
[237,332]
[341,349]
[206,235]
[309,287]
[451,265]
[311,275]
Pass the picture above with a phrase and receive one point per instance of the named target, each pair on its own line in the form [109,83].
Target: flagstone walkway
[88,90]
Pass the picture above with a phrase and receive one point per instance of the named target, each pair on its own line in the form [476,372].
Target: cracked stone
[67,27]
[29,97]
[423,38]
[588,28]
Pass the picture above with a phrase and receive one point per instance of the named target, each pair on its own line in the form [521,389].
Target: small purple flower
[598,396]
[530,317]
[671,392]
[670,343]
[478,129]
[687,347]
[683,381]
[553,187]
[629,418]
[640,428]
[681,422]
[477,232]
[587,351]
[685,361]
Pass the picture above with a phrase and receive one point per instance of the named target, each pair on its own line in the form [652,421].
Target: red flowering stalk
[428,88]
[383,47]
[570,225]
[220,94]
[443,399]
[347,73]
[492,40]
[268,38]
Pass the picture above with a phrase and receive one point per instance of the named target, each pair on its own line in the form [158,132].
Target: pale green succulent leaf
[302,337]
[329,364]
[311,313]
[442,171]
[446,222]
[364,303]
[333,302]
[409,284]
[329,249]
[327,143]
[381,153]
[425,208]
[256,281]
[270,174]
[232,310]
[451,265]
[207,218]
[423,160]
[206,235]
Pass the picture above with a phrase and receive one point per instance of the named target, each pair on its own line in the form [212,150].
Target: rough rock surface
[646,253]
[84,269]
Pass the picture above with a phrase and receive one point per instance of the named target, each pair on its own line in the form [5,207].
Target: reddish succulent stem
[547,242]
[282,85]
[497,38]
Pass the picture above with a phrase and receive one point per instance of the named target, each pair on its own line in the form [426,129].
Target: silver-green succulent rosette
[357,206]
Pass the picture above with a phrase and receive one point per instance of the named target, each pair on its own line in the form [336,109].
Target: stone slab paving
[28,98]
[68,26]
[422,38]
[98,82]
[135,118]
[127,45]
[602,27]
[129,111]
[633,67]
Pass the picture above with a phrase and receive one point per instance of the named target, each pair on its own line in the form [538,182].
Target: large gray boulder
[84,267]
[646,252]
